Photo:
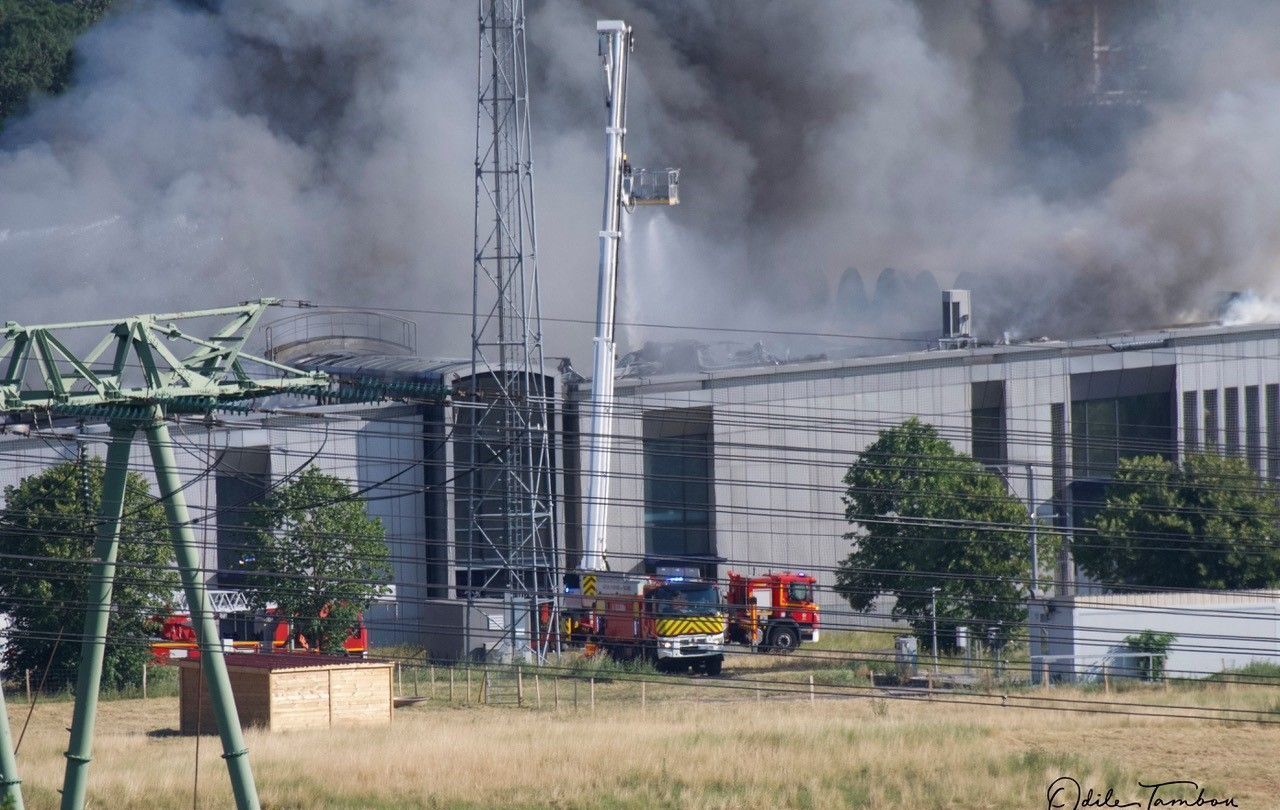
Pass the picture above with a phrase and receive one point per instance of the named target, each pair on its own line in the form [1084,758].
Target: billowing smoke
[954,142]
[323,148]
[204,156]
[1248,307]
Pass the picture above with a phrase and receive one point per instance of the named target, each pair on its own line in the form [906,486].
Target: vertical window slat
[1253,428]
[1190,421]
[1211,438]
[1231,406]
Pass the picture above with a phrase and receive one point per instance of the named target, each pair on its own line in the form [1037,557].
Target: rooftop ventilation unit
[957,320]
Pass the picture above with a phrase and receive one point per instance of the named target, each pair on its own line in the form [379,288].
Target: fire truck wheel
[783,639]
[714,665]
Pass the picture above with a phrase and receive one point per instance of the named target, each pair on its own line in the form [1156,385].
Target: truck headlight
[666,645]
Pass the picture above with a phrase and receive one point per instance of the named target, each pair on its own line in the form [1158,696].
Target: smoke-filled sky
[323,149]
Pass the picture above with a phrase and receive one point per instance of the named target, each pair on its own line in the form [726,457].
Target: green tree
[1156,645]
[317,556]
[925,516]
[1210,522]
[47,535]
[36,39]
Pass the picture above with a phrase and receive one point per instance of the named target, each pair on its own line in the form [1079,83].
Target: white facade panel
[785,435]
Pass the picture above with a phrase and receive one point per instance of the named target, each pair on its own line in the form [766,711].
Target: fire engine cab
[675,619]
[774,611]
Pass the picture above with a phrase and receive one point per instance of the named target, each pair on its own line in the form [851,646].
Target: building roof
[1137,340]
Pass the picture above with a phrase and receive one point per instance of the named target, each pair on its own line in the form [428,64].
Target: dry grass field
[687,747]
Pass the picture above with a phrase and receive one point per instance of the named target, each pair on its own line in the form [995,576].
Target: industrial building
[726,462]
[741,466]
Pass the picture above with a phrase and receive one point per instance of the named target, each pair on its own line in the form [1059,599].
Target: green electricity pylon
[143,370]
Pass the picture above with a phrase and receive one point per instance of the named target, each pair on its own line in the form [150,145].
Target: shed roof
[1178,598]
[280,661]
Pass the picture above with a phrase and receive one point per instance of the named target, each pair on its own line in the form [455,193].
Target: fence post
[537,689]
[575,695]
[484,688]
[1044,674]
[450,684]
[643,697]
[593,693]
[399,679]
[468,684]
[1106,680]
[144,680]
[810,688]
[519,686]
[28,677]
[433,681]
[555,688]
[415,679]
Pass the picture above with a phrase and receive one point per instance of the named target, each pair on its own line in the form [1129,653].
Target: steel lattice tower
[502,430]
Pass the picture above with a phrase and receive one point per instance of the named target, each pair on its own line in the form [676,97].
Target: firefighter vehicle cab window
[800,592]
[692,599]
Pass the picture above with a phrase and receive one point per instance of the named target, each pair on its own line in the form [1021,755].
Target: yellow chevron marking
[697,625]
[589,585]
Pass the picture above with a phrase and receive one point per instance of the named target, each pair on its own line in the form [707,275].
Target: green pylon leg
[10,784]
[212,663]
[94,639]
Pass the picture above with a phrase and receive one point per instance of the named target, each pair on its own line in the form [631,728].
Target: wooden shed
[281,692]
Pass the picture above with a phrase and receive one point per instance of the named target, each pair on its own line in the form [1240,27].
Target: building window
[241,481]
[509,522]
[1105,431]
[1273,431]
[1095,445]
[574,510]
[1231,404]
[1058,450]
[678,488]
[987,422]
[478,482]
[1190,421]
[1211,421]
[435,476]
[1253,428]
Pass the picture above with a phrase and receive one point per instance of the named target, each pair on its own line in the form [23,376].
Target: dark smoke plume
[323,148]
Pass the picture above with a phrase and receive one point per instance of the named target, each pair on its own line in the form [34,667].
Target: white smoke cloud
[1249,307]
[323,149]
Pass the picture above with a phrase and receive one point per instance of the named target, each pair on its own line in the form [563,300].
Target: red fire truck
[675,619]
[243,627]
[774,611]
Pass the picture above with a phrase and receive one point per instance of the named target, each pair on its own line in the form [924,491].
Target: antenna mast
[502,422]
